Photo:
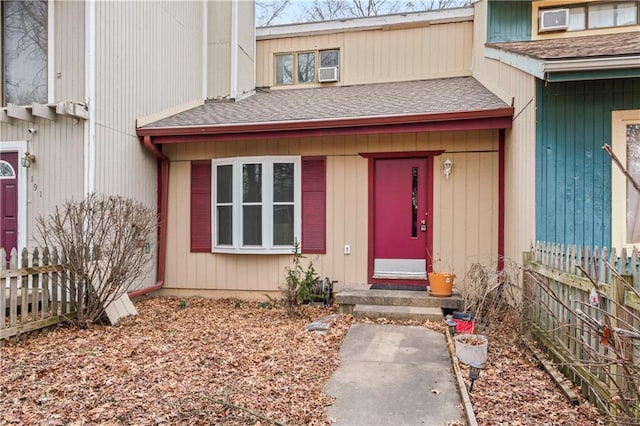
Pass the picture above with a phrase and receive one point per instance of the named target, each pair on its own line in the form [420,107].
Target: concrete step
[416,313]
[348,298]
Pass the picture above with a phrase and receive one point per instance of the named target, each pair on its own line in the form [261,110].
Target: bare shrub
[101,240]
[300,282]
[489,293]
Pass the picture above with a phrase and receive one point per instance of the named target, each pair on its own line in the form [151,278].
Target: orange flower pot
[441,284]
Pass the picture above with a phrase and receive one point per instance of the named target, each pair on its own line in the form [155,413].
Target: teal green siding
[573,173]
[508,21]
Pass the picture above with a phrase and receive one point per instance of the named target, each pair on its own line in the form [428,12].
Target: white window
[24,51]
[256,204]
[625,203]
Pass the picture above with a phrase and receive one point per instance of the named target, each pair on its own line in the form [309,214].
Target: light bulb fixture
[446,167]
[27,160]
[474,372]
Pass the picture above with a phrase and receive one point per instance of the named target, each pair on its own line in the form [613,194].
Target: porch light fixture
[446,167]
[474,373]
[27,160]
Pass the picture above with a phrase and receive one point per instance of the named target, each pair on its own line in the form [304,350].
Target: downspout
[501,182]
[89,147]
[163,206]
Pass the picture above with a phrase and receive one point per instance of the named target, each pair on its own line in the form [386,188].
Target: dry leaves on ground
[513,389]
[172,365]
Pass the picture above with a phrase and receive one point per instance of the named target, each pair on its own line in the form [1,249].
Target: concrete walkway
[394,375]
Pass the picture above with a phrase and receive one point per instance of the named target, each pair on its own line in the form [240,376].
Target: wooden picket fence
[36,291]
[583,305]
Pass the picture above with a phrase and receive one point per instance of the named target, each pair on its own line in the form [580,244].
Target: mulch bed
[231,362]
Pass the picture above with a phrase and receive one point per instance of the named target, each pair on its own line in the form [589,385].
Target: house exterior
[387,146]
[571,69]
[71,97]
[368,141]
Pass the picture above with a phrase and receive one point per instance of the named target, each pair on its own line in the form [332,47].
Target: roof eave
[491,118]
[592,64]
[442,16]
[541,68]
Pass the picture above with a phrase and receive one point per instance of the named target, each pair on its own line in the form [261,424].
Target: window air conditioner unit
[554,20]
[327,74]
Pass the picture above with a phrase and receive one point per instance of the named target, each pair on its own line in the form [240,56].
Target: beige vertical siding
[57,174]
[246,47]
[148,59]
[219,49]
[442,50]
[465,211]
[69,21]
[512,85]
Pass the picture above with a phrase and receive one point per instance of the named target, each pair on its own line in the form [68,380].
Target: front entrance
[401,220]
[8,202]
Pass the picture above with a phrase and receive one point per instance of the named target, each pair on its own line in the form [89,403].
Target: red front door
[401,220]
[8,201]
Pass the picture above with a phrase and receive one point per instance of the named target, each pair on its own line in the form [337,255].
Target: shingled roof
[586,47]
[439,96]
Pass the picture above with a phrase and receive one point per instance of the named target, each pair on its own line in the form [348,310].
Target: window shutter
[201,206]
[314,205]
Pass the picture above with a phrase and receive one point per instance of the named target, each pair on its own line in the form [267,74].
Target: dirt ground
[229,362]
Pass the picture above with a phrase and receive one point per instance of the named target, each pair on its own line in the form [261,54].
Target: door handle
[423,226]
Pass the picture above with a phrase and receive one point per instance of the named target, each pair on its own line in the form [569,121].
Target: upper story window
[588,16]
[24,51]
[309,66]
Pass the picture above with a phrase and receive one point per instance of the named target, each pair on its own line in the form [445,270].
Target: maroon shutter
[314,204]
[201,206]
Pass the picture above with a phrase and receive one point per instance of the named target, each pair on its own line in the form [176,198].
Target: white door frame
[20,147]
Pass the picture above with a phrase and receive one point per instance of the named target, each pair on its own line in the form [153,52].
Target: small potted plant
[440,283]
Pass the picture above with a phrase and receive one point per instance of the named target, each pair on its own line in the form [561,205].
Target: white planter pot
[471,348]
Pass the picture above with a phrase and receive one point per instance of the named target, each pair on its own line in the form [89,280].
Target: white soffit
[442,16]
[540,67]
[524,63]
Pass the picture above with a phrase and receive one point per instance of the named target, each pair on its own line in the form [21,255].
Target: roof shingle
[596,46]
[438,96]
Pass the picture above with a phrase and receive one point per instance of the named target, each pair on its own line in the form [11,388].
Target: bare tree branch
[270,11]
[102,239]
[624,171]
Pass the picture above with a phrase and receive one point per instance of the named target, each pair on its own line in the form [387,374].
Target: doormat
[398,287]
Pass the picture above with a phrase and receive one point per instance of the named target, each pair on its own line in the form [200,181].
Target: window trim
[586,5]
[294,54]
[267,202]
[293,68]
[619,122]
[50,77]
[316,59]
